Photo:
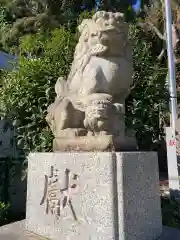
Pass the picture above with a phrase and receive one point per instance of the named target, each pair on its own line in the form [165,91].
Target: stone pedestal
[94,143]
[94,196]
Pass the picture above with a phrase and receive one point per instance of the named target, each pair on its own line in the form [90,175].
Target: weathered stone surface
[93,96]
[103,196]
[94,143]
[17,231]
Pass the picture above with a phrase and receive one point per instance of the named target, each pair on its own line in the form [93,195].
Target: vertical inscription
[57,198]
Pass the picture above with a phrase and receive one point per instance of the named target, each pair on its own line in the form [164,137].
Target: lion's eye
[106,16]
[93,34]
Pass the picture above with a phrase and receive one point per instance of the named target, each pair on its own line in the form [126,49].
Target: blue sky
[135,4]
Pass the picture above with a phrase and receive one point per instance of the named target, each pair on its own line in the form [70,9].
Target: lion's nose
[111,21]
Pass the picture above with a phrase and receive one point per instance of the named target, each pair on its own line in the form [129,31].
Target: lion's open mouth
[110,35]
[111,28]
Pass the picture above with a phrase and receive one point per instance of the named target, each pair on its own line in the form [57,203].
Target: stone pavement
[16,231]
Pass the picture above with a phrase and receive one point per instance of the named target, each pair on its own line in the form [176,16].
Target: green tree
[26,93]
[149,97]
[22,17]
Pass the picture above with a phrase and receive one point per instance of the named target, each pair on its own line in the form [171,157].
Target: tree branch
[161,54]
[156,30]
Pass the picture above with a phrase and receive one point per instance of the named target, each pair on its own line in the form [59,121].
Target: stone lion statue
[91,101]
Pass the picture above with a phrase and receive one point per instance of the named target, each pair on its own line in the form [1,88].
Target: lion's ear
[80,27]
[84,23]
[60,87]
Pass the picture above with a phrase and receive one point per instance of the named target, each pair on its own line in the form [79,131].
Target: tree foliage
[21,17]
[3,213]
[46,55]
[26,93]
[148,100]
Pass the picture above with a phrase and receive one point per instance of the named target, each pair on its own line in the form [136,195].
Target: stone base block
[94,196]
[17,231]
[101,143]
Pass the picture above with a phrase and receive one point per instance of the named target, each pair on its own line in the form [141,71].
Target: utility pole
[171,65]
[171,131]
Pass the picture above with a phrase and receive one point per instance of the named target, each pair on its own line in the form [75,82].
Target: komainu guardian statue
[88,112]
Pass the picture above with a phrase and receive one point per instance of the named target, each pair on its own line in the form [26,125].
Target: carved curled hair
[90,26]
[103,14]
